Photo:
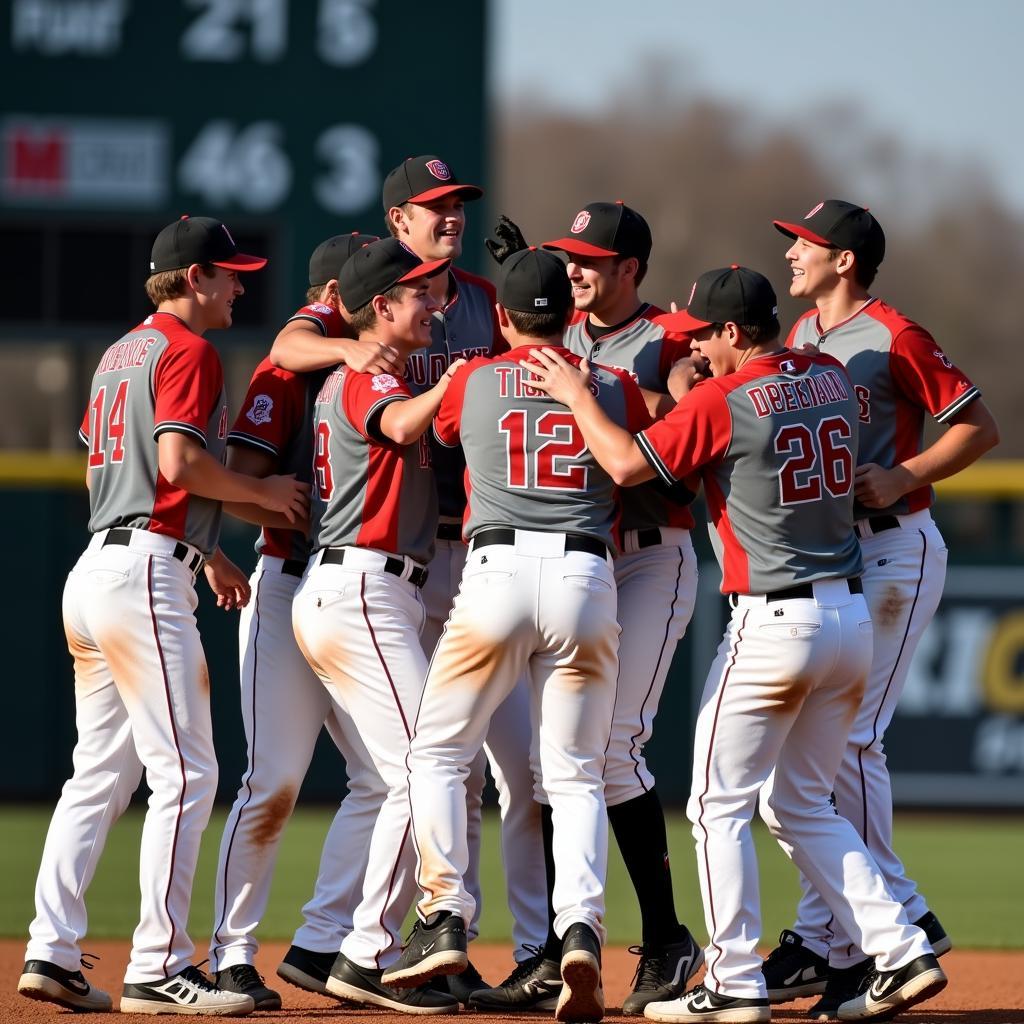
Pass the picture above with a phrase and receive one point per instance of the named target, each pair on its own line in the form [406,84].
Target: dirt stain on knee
[889,610]
[204,678]
[272,816]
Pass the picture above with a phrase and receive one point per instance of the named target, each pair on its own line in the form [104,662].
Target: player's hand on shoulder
[878,487]
[229,584]
[505,239]
[551,373]
[374,357]
[456,365]
[288,496]
[685,373]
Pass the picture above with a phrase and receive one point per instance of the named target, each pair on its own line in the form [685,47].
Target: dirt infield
[984,988]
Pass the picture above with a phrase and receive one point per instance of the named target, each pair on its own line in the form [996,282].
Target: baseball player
[155,428]
[899,374]
[608,247]
[284,704]
[423,202]
[537,595]
[774,436]
[357,612]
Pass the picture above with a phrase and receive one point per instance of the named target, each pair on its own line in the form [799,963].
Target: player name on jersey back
[159,378]
[528,465]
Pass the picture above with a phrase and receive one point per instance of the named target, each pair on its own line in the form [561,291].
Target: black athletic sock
[552,944]
[639,827]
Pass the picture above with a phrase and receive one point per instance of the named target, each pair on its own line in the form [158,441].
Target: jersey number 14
[113,422]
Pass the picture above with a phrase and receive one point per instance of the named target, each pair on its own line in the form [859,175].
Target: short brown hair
[641,267]
[536,325]
[392,230]
[365,317]
[862,273]
[171,284]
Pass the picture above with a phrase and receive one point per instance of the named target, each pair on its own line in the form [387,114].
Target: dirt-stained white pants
[142,696]
[284,706]
[782,693]
[536,607]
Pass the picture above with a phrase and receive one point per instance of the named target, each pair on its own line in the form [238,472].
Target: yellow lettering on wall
[1003,679]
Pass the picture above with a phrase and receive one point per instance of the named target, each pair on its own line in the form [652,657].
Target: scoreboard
[278,116]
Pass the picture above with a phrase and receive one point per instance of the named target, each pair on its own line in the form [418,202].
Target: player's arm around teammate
[155,427]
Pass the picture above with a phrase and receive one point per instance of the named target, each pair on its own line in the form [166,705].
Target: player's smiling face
[411,315]
[813,268]
[434,230]
[216,296]
[714,346]
[597,282]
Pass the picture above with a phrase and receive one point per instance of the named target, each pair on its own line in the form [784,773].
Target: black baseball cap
[198,240]
[420,179]
[330,256]
[606,229]
[533,281]
[375,268]
[841,225]
[733,294]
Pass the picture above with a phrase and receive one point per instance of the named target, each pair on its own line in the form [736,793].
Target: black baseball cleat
[582,997]
[307,969]
[363,985]
[247,981]
[662,973]
[843,984]
[188,992]
[436,946]
[701,1003]
[462,985]
[940,942]
[792,971]
[534,985]
[887,993]
[49,983]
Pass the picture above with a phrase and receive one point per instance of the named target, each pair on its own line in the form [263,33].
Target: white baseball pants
[782,693]
[358,627]
[529,606]
[284,706]
[142,695]
[904,572]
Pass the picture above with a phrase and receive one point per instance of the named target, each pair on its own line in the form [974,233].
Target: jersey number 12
[552,461]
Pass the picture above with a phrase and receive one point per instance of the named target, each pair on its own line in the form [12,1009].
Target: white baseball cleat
[703,1004]
[189,993]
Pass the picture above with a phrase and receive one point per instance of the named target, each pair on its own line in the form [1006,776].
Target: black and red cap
[198,240]
[376,268]
[840,225]
[732,294]
[606,229]
[422,179]
[331,255]
[534,281]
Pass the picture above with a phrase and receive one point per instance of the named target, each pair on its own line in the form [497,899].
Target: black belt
[649,538]
[449,531]
[293,567]
[123,535]
[805,590]
[395,566]
[879,524]
[573,541]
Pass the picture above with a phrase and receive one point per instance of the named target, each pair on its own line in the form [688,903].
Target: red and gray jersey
[326,319]
[368,491]
[465,328]
[776,445]
[528,464]
[898,373]
[644,348]
[158,378]
[276,417]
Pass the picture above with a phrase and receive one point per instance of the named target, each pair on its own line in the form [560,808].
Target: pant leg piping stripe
[380,657]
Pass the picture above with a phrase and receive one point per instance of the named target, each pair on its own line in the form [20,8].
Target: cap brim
[242,261]
[467,191]
[577,247]
[682,322]
[799,231]
[431,268]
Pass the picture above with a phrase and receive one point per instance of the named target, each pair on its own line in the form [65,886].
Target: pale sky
[945,76]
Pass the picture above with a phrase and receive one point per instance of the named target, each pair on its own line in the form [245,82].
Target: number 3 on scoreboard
[549,461]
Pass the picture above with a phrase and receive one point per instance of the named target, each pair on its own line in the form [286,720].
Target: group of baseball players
[476,551]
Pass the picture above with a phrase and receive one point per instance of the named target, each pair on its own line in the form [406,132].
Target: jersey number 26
[817,459]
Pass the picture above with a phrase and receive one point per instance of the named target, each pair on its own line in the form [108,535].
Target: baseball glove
[505,240]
